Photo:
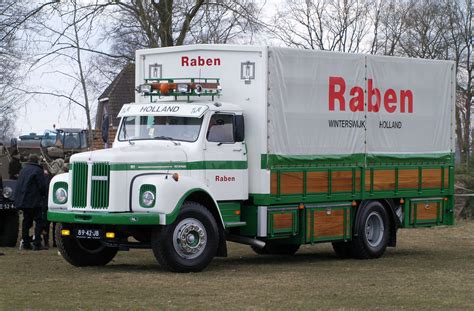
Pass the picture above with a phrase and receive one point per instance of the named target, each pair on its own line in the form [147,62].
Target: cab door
[225,157]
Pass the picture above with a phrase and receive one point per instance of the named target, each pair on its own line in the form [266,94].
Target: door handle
[237,149]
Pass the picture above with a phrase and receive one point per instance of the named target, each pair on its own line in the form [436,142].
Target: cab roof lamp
[180,87]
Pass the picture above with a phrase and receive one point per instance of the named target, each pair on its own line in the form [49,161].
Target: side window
[221,128]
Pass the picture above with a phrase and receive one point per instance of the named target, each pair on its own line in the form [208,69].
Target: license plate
[7,205]
[91,234]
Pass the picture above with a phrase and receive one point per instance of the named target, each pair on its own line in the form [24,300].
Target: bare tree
[335,25]
[390,25]
[70,28]
[13,18]
[137,24]
[459,39]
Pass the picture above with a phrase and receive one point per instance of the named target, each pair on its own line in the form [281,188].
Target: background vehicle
[54,147]
[340,148]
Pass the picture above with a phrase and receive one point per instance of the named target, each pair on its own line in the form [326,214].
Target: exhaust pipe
[245,240]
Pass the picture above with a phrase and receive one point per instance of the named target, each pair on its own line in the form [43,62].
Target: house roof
[119,92]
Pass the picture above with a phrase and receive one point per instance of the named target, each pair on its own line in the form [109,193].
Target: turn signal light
[65,232]
[110,235]
[402,201]
[354,203]
[176,176]
[301,206]
[445,199]
[237,212]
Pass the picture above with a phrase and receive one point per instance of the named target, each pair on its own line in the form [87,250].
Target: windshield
[49,139]
[160,127]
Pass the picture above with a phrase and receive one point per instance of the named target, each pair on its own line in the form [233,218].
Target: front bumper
[104,218]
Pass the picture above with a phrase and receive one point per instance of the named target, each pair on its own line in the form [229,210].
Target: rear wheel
[83,252]
[276,249]
[190,243]
[372,232]
[9,223]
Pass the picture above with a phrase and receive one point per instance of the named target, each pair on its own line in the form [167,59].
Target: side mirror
[239,128]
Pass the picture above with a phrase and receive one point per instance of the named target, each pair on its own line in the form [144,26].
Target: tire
[82,253]
[277,249]
[343,250]
[190,243]
[371,233]
[9,224]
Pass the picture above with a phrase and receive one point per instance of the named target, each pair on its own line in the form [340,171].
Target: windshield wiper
[167,138]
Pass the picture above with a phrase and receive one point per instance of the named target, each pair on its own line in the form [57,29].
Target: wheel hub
[189,238]
[374,229]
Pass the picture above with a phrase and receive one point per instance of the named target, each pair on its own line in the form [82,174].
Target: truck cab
[166,156]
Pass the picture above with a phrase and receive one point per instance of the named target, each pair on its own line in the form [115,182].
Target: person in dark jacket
[14,166]
[30,189]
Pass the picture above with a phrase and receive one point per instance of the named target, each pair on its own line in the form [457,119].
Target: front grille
[79,184]
[99,185]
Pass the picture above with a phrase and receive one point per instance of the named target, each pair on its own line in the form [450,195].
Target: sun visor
[178,110]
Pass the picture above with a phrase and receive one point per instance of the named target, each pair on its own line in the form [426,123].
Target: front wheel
[83,252]
[190,243]
[371,235]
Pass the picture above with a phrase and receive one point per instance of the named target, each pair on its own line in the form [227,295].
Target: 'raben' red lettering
[375,99]
[199,61]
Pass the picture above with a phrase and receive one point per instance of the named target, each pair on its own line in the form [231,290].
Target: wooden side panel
[326,225]
[431,178]
[426,211]
[383,180]
[283,221]
[274,183]
[408,179]
[316,182]
[342,181]
[446,178]
[291,182]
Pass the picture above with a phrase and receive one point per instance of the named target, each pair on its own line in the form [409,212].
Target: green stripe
[198,165]
[269,161]
[105,218]
[438,158]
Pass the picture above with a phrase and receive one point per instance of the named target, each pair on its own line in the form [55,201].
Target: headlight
[148,198]
[61,195]
[7,192]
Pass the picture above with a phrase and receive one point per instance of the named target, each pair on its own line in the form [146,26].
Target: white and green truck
[270,147]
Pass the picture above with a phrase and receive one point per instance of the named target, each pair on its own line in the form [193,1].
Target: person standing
[14,166]
[30,189]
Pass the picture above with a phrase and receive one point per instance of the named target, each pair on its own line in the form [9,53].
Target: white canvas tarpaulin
[328,103]
[423,88]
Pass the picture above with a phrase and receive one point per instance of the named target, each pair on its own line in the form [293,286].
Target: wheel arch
[202,197]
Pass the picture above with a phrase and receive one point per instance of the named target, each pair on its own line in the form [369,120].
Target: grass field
[429,269]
